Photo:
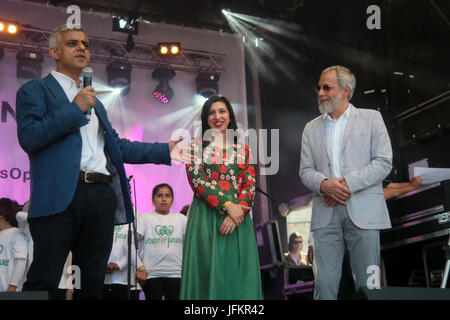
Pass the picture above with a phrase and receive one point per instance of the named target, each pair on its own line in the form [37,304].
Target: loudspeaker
[402,293]
[25,295]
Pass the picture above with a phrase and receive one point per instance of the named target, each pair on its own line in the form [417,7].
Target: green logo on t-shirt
[4,262]
[164,230]
[164,233]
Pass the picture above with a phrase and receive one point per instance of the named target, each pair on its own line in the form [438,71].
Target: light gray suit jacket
[366,159]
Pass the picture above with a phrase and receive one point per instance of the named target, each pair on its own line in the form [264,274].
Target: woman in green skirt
[220,255]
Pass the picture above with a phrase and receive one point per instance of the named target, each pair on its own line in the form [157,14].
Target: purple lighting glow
[160,97]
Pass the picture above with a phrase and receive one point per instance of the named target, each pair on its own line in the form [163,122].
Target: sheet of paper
[432,175]
[420,163]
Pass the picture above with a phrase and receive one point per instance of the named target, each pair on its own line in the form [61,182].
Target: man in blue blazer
[79,189]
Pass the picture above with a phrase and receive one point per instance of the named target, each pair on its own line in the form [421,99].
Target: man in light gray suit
[346,153]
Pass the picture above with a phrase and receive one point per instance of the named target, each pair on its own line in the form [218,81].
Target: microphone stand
[129,262]
[134,223]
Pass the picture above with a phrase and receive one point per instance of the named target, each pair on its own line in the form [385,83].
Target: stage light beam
[251,29]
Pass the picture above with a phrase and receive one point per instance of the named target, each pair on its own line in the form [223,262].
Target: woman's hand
[141,276]
[228,225]
[236,212]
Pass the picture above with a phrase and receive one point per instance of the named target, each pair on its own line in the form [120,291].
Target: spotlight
[163,50]
[168,48]
[174,50]
[9,27]
[12,29]
[207,84]
[125,24]
[119,76]
[29,64]
[163,92]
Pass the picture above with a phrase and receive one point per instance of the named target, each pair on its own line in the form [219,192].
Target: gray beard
[332,104]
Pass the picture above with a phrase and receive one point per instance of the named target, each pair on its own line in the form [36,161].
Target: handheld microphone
[87,81]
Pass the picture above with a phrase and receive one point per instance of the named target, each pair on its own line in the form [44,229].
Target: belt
[94,177]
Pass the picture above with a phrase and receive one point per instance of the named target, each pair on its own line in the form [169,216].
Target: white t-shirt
[13,245]
[119,256]
[161,243]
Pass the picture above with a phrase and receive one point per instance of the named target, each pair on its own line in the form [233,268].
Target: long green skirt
[216,266]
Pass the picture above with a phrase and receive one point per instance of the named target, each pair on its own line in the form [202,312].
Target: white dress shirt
[335,133]
[92,155]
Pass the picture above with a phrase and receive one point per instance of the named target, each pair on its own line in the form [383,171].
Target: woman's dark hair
[292,237]
[8,209]
[159,186]
[205,112]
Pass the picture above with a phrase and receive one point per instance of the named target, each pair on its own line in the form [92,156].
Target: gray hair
[55,37]
[345,78]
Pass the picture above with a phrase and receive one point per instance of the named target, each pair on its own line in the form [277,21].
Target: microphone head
[88,71]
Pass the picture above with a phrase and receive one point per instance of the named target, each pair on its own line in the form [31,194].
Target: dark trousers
[115,292]
[85,228]
[156,288]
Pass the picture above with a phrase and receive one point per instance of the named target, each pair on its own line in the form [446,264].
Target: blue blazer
[48,128]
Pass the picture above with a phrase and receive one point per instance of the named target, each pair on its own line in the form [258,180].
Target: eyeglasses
[325,88]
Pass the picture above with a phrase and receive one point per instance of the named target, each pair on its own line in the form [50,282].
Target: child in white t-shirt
[13,248]
[161,236]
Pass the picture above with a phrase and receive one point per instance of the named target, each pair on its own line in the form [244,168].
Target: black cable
[264,193]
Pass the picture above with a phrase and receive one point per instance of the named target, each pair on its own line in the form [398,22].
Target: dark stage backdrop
[413,40]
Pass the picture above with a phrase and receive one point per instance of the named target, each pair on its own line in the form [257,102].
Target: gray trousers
[329,247]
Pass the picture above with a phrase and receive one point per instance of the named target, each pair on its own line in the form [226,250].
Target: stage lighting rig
[119,76]
[168,48]
[207,84]
[8,27]
[125,24]
[163,92]
[130,43]
[29,64]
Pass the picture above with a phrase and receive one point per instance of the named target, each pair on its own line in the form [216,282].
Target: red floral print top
[223,175]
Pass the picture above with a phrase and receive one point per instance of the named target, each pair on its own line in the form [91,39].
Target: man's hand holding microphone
[85,99]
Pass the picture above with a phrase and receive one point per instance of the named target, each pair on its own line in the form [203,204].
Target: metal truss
[107,50]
